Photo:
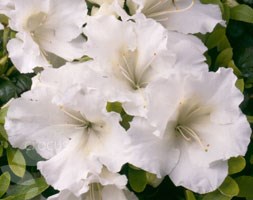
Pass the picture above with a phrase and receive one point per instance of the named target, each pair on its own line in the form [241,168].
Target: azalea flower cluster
[186,120]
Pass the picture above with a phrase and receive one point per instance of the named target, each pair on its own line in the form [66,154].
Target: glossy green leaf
[3,112]
[224,57]
[22,83]
[7,91]
[216,195]
[224,44]
[215,37]
[242,13]
[16,161]
[240,84]
[137,179]
[29,189]
[245,184]
[5,180]
[236,71]
[229,187]
[236,165]
[189,195]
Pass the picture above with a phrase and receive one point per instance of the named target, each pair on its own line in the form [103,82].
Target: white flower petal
[74,116]
[182,115]
[113,193]
[182,16]
[44,27]
[67,176]
[33,57]
[30,122]
[199,179]
[149,152]
[99,186]
[200,18]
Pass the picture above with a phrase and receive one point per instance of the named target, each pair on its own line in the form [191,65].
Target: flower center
[135,75]
[192,112]
[35,21]
[163,7]
[189,134]
[81,121]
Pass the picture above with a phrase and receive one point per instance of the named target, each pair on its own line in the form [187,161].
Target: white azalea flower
[194,126]
[45,29]
[135,54]
[66,126]
[106,7]
[186,16]
[105,186]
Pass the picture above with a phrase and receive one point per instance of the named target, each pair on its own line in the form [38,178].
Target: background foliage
[230,46]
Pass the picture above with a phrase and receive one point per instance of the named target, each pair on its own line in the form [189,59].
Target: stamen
[130,72]
[157,14]
[95,187]
[146,67]
[156,5]
[99,191]
[188,133]
[72,116]
[126,75]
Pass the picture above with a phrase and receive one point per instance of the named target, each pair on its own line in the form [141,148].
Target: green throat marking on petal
[95,192]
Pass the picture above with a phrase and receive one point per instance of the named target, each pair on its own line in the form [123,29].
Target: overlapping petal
[185,121]
[47,27]
[74,116]
[189,16]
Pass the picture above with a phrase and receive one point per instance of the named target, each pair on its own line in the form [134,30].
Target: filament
[189,134]
[157,14]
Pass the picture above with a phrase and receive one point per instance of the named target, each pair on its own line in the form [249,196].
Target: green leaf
[29,189]
[137,179]
[3,133]
[7,91]
[216,195]
[224,57]
[5,180]
[226,13]
[114,107]
[245,62]
[224,44]
[16,161]
[245,185]
[1,150]
[189,195]
[242,13]
[240,84]
[236,71]
[236,165]
[3,112]
[229,187]
[215,37]
[22,83]
[250,119]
